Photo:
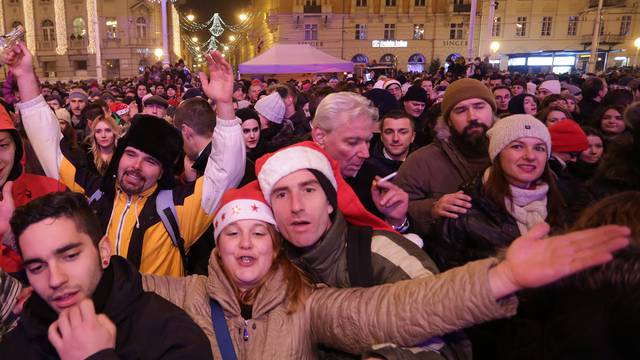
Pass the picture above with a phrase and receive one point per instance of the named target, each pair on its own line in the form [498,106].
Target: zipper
[121,224]
[245,333]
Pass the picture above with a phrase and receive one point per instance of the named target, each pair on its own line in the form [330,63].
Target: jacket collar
[219,288]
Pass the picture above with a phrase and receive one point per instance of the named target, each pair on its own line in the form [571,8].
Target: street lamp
[191,17]
[158,52]
[194,39]
[494,46]
[636,43]
[243,17]
[232,38]
[226,48]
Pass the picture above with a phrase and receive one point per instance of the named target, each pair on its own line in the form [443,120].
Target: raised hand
[218,86]
[18,59]
[533,260]
[79,332]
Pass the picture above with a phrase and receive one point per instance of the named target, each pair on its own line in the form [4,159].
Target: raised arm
[40,122]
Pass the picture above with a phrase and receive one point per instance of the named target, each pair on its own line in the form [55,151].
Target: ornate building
[409,33]
[64,36]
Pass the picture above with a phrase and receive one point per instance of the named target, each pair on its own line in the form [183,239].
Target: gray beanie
[514,127]
[272,107]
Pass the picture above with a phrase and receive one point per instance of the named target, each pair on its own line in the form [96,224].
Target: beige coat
[352,320]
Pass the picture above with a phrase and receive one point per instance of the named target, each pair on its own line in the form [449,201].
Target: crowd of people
[468,213]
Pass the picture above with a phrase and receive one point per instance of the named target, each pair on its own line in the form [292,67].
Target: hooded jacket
[131,221]
[346,319]
[148,327]
[26,187]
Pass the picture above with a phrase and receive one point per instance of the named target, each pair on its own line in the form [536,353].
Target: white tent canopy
[294,59]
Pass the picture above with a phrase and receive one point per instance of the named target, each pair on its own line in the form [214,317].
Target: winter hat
[155,100]
[383,100]
[515,127]
[573,90]
[191,93]
[78,94]
[245,203]
[272,167]
[551,85]
[531,88]
[151,135]
[119,108]
[391,82]
[63,114]
[271,107]
[416,93]
[568,136]
[516,104]
[465,89]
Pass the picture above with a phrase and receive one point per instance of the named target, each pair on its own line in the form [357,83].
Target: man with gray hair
[343,127]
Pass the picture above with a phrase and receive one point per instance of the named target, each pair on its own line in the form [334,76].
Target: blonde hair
[329,111]
[100,163]
[298,285]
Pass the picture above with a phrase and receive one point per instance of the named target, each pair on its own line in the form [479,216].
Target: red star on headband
[215,224]
[223,216]
[254,208]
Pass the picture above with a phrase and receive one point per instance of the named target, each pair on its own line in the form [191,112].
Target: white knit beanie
[551,85]
[514,127]
[272,107]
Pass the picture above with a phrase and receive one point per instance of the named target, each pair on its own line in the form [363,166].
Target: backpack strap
[166,209]
[359,263]
[222,331]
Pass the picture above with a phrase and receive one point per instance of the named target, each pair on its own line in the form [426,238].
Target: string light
[91,15]
[175,20]
[27,8]
[61,27]
[1,15]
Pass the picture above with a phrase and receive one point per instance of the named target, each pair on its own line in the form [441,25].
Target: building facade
[410,33]
[63,35]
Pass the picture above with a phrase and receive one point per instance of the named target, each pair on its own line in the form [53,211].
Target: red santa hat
[245,203]
[272,167]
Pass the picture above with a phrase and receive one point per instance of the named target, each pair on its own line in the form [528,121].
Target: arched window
[360,59]
[388,59]
[79,28]
[141,27]
[48,30]
[415,63]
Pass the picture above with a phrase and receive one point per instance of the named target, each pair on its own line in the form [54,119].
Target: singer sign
[389,43]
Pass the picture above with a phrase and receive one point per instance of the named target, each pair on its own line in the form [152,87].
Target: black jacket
[148,327]
[480,233]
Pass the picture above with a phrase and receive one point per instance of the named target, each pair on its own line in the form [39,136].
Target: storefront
[416,63]
[558,62]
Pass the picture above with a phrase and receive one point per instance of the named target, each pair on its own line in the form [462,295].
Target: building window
[546,26]
[310,31]
[497,25]
[389,31]
[455,32]
[572,29]
[361,31]
[112,27]
[390,2]
[521,26]
[79,28]
[48,30]
[418,31]
[625,25]
[80,65]
[311,3]
[601,26]
[419,3]
[141,27]
[361,3]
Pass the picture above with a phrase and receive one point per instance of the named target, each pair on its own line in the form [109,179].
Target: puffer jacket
[131,222]
[347,319]
[480,233]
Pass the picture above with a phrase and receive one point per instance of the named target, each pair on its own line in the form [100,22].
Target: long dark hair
[497,188]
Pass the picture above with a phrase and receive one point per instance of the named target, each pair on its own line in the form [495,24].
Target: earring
[105,262]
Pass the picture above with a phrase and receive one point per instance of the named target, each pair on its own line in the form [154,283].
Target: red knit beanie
[567,136]
[272,167]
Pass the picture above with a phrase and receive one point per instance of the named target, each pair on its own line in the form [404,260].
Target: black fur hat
[151,135]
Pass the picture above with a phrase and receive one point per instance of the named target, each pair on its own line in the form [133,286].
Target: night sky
[204,9]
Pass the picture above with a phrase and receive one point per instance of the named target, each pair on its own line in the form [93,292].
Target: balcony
[312,9]
[605,40]
[78,43]
[111,42]
[46,45]
[138,41]
[461,8]
[607,3]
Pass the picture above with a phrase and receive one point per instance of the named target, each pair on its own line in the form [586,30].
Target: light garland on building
[216,26]
[2,17]
[91,15]
[175,22]
[61,24]
[27,8]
